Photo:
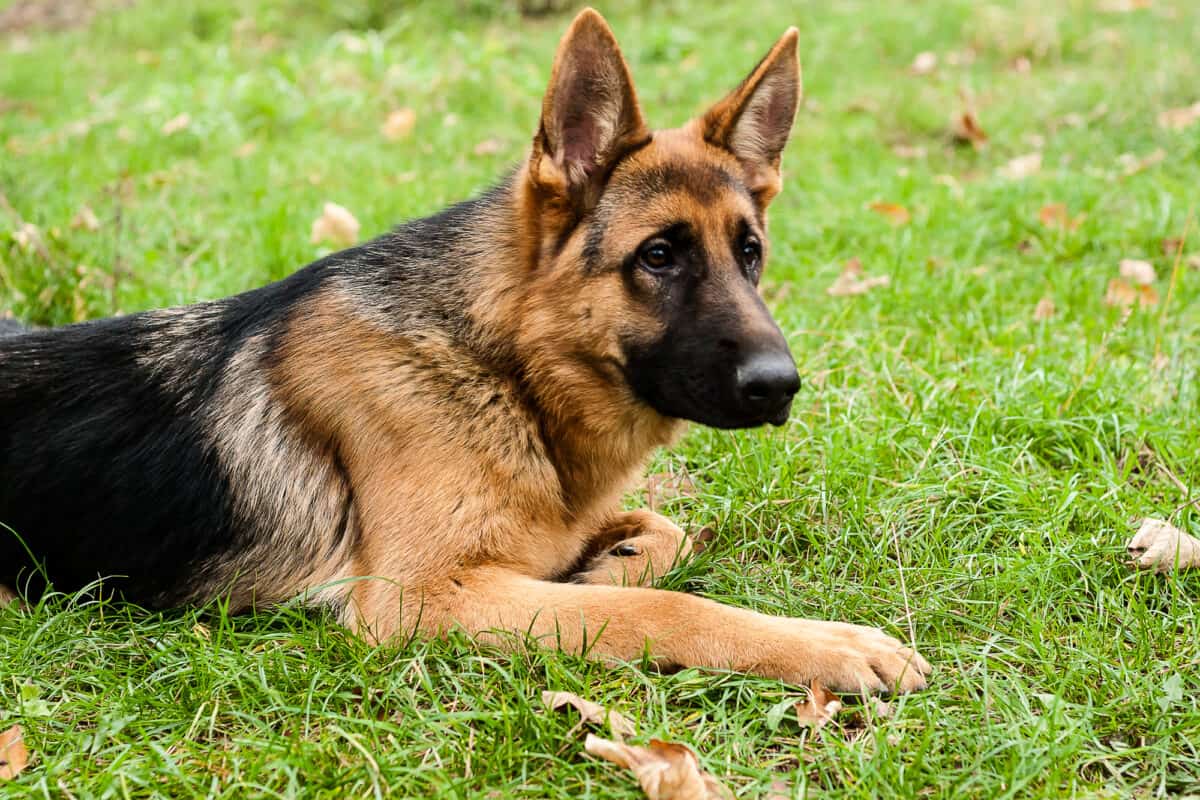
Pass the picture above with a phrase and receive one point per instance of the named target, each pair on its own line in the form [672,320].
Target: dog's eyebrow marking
[702,181]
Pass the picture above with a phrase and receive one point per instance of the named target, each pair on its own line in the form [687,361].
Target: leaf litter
[336,225]
[591,713]
[1160,546]
[664,770]
[14,755]
[853,281]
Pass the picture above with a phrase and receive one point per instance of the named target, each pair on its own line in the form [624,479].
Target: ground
[973,445]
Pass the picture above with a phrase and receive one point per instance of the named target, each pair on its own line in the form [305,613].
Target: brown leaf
[965,126]
[1177,119]
[1022,167]
[28,237]
[924,63]
[1122,294]
[1123,6]
[1044,309]
[489,147]
[1055,215]
[1171,246]
[14,756]
[908,151]
[1132,164]
[852,281]
[894,212]
[778,790]
[1160,546]
[665,770]
[663,487]
[86,219]
[177,123]
[1138,272]
[819,708]
[336,225]
[398,124]
[591,713]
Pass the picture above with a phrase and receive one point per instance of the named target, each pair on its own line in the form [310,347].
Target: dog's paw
[640,549]
[852,659]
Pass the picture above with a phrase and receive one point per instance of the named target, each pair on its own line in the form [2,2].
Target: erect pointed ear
[590,114]
[754,120]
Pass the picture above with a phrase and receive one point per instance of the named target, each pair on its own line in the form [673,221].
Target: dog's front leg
[672,628]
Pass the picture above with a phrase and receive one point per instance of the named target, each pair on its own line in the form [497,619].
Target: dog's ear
[590,114]
[754,120]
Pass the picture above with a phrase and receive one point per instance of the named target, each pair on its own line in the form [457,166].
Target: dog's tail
[10,327]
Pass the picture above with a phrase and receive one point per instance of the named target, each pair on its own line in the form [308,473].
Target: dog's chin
[724,418]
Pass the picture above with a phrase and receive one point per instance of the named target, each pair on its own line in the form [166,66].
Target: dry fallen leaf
[1054,215]
[1160,546]
[178,123]
[86,219]
[965,126]
[14,756]
[1137,271]
[591,713]
[1177,119]
[1123,6]
[894,212]
[335,225]
[398,124]
[246,149]
[778,790]
[1122,294]
[908,151]
[924,63]
[665,770]
[1022,167]
[1044,309]
[852,281]
[819,708]
[488,147]
[1132,164]
[28,237]
[663,487]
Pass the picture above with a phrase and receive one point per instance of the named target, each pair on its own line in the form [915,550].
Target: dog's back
[108,451]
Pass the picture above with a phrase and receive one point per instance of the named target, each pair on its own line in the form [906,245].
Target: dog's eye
[656,256]
[625,550]
[751,253]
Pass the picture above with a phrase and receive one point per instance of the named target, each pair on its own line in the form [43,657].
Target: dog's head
[648,247]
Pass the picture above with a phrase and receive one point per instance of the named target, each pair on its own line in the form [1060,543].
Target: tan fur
[475,488]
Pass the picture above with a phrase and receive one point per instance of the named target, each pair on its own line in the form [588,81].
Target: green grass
[955,470]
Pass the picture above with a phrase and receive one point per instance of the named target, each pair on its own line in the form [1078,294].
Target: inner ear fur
[753,121]
[590,114]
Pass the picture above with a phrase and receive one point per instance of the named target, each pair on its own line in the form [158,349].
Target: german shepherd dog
[433,430]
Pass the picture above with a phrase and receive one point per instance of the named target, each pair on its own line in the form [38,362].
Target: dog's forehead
[678,161]
[675,178]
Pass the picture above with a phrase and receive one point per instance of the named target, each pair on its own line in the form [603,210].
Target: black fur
[106,469]
[107,466]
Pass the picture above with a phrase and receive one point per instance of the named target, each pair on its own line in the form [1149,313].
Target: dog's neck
[595,430]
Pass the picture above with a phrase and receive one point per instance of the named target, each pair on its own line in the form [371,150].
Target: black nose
[766,382]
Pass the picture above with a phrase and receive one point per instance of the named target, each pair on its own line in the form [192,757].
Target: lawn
[972,447]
